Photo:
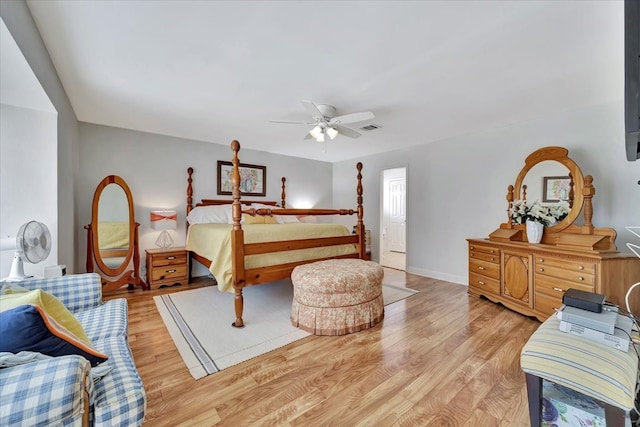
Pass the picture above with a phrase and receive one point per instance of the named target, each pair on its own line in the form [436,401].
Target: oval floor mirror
[112,236]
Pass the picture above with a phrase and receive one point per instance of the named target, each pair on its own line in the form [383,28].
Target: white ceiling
[220,70]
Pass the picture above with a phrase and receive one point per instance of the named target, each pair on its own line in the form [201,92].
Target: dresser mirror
[545,166]
[112,235]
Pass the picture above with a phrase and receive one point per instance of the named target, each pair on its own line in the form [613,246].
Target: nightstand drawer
[167,267]
[169,272]
[160,260]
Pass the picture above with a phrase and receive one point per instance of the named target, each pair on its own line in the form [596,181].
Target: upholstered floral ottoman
[337,296]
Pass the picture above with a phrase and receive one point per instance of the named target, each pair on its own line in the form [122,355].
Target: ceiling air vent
[370,127]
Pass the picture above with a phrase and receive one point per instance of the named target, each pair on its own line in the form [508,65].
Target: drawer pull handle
[480,268]
[481,282]
[472,247]
[555,309]
[493,259]
[580,278]
[541,260]
[493,252]
[580,267]
[558,289]
[541,269]
[171,257]
[171,271]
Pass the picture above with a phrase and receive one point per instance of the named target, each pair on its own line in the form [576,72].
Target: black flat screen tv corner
[632,78]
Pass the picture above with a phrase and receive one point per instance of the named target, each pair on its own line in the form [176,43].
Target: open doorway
[393,229]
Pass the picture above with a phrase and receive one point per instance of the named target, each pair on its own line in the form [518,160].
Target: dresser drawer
[570,275]
[578,267]
[169,272]
[486,253]
[495,258]
[547,304]
[557,287]
[484,268]
[484,283]
[160,260]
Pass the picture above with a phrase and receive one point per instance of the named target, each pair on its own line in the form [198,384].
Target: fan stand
[17,269]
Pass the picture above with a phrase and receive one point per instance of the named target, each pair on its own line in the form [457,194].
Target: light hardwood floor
[439,358]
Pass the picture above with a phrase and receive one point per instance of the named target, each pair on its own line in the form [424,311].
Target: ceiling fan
[326,123]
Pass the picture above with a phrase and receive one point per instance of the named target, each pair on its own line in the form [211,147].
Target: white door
[397,215]
[393,230]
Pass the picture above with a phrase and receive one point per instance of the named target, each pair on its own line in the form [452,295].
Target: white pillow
[217,214]
[308,219]
[280,219]
[286,219]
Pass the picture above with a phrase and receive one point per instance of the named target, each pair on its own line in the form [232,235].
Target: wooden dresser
[531,278]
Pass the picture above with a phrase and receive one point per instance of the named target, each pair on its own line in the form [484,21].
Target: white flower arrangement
[522,211]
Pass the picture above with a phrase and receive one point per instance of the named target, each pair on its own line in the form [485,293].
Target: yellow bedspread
[213,241]
[113,234]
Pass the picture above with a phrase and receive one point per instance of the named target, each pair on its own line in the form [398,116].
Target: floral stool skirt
[337,296]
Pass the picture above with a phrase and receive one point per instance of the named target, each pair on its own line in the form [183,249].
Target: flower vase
[534,231]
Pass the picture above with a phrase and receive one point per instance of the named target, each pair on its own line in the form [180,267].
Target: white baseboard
[460,280]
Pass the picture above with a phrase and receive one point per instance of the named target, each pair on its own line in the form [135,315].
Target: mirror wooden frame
[114,278]
[565,233]
[560,155]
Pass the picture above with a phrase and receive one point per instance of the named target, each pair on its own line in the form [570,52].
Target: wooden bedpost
[360,225]
[237,237]
[283,195]
[189,190]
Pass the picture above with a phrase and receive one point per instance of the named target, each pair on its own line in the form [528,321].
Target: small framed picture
[252,179]
[556,188]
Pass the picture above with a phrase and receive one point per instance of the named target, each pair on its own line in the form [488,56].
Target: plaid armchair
[60,390]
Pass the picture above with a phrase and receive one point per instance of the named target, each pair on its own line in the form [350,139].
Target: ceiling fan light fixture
[320,137]
[316,131]
[332,133]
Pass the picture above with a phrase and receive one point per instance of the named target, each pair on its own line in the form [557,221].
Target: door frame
[381,238]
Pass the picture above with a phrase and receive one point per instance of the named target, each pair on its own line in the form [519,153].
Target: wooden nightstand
[167,267]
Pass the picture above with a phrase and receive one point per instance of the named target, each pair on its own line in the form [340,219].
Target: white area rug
[199,322]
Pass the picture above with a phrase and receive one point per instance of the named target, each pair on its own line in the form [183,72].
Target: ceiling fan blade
[352,118]
[291,123]
[308,136]
[347,132]
[313,110]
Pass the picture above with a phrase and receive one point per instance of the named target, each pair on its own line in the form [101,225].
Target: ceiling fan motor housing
[328,111]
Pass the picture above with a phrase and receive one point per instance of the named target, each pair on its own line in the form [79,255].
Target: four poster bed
[250,242]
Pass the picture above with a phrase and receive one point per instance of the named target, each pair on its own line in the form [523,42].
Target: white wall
[456,188]
[28,178]
[155,169]
[18,20]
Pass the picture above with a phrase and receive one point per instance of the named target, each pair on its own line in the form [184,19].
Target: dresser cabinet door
[517,277]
